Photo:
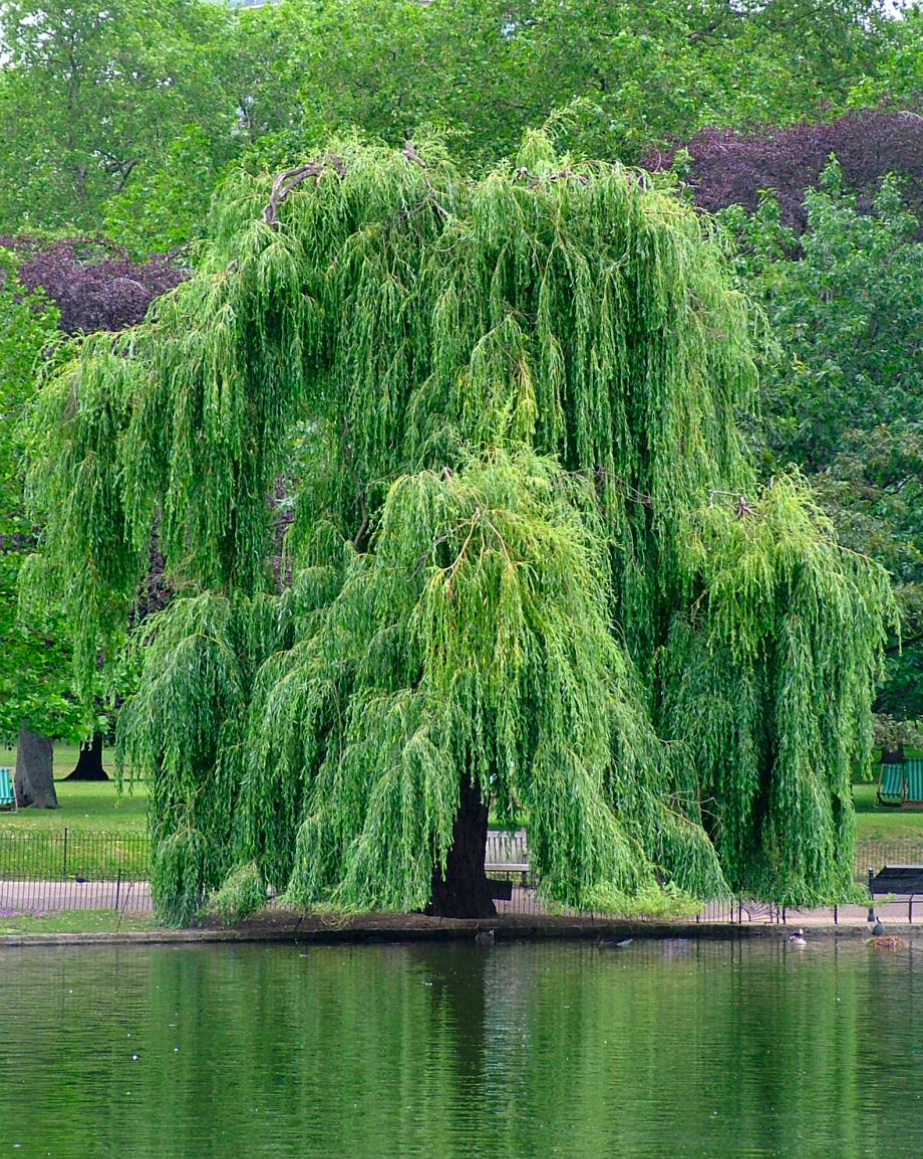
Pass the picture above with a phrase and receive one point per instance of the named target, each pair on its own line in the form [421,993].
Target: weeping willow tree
[529,566]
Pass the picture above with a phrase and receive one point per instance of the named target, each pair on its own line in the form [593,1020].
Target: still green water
[660,1049]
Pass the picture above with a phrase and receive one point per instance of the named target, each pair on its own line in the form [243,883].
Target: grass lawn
[884,835]
[95,805]
[879,821]
[104,921]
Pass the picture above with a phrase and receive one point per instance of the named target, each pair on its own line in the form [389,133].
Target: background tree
[70,286]
[652,74]
[842,397]
[896,81]
[92,97]
[33,681]
[125,119]
[527,546]
[633,74]
[723,167]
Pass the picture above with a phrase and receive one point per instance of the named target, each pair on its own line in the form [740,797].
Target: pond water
[660,1049]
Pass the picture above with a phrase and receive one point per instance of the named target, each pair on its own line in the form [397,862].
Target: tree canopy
[724,167]
[48,288]
[841,390]
[91,96]
[124,118]
[530,563]
[34,677]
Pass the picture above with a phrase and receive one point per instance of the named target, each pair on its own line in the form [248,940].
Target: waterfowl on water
[797,938]
[607,942]
[484,937]
[878,929]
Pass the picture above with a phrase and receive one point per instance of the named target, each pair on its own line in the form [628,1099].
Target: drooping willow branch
[288,181]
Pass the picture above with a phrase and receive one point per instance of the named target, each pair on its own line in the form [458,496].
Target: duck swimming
[797,938]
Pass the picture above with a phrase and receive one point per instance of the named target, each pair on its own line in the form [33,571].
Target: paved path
[32,897]
[24,897]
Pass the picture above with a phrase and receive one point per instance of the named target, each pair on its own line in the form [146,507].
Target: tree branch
[292,178]
[901,645]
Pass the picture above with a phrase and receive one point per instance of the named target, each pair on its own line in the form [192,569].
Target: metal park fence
[49,871]
[71,854]
[508,862]
[71,869]
[874,853]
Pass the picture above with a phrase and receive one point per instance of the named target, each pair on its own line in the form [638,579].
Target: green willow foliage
[528,550]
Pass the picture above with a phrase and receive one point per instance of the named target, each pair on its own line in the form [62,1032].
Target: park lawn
[877,822]
[65,758]
[87,805]
[84,921]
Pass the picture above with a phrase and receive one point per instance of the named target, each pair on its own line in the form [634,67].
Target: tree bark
[464,891]
[89,765]
[34,777]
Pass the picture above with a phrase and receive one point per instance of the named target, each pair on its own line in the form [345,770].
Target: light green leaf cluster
[768,675]
[500,408]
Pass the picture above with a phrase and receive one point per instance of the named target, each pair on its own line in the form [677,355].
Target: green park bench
[7,791]
[901,782]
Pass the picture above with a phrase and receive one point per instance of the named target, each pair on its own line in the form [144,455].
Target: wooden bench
[513,869]
[903,880]
[501,889]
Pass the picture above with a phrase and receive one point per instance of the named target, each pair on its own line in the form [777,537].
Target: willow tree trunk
[34,779]
[89,765]
[464,892]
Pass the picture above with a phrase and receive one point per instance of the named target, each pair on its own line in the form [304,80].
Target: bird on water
[878,929]
[484,937]
[797,938]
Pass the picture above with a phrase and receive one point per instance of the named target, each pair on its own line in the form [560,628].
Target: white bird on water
[797,938]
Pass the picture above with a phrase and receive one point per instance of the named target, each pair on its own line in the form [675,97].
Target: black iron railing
[77,869]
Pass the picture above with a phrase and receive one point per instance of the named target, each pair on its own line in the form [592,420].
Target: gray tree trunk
[34,778]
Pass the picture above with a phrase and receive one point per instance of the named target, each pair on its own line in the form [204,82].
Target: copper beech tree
[530,567]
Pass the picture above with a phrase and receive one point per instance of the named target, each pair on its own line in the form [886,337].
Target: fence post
[118,887]
[64,863]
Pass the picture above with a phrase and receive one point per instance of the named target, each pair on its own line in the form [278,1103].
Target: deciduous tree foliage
[123,117]
[33,678]
[47,287]
[93,283]
[726,167]
[842,395]
[529,563]
[641,73]
[93,97]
